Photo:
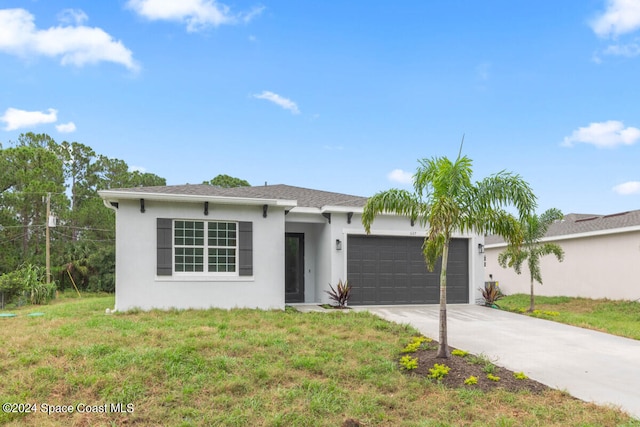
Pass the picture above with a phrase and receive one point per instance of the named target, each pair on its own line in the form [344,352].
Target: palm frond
[505,189]
[399,202]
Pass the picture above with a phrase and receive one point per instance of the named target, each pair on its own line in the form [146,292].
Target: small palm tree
[445,201]
[534,229]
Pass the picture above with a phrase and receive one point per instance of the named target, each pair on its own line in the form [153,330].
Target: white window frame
[206,249]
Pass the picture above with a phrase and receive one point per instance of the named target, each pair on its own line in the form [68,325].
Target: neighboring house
[199,246]
[601,259]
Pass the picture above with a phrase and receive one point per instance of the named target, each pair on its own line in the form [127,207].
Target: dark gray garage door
[391,270]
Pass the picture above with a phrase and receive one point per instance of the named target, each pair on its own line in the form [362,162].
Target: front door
[294,267]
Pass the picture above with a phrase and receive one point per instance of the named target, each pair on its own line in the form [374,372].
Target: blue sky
[339,96]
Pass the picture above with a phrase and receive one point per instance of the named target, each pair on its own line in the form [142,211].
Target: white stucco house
[199,246]
[602,259]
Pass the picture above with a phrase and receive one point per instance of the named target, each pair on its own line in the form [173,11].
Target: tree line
[82,241]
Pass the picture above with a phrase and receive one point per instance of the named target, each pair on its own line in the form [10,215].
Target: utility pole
[48,244]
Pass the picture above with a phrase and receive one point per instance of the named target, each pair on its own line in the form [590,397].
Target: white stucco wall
[600,266]
[138,286]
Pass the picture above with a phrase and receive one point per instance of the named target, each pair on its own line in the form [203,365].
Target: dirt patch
[462,368]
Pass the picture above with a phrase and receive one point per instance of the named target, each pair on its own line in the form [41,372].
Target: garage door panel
[391,270]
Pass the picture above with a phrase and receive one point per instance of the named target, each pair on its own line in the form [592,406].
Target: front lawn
[242,368]
[614,317]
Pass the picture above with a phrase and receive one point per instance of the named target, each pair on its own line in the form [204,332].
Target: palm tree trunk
[531,300]
[443,346]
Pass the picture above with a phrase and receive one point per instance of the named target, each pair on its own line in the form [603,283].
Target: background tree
[82,243]
[226,181]
[35,171]
[78,161]
[445,201]
[534,228]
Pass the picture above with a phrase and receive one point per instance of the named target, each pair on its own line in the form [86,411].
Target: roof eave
[164,197]
[576,235]
[342,209]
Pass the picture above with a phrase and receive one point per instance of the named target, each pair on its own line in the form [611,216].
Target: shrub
[439,371]
[471,380]
[491,293]
[11,285]
[407,362]
[28,282]
[493,377]
[415,344]
[545,313]
[340,294]
[460,353]
[520,376]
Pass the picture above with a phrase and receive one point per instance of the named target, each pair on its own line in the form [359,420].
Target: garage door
[391,270]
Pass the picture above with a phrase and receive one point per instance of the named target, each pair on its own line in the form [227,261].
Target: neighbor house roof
[577,225]
[304,197]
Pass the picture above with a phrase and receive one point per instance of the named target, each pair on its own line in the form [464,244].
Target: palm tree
[444,201]
[534,229]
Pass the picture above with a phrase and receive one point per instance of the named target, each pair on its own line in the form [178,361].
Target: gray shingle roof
[585,223]
[304,196]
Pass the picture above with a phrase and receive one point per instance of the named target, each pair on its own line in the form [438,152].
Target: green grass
[243,368]
[615,317]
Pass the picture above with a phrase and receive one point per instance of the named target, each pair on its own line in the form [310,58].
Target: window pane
[189,259]
[222,260]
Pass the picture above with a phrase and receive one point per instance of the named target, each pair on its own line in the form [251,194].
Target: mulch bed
[462,368]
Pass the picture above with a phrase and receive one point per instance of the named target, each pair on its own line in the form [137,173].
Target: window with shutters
[205,246]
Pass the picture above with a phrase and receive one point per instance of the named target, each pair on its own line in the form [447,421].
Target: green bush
[102,264]
[11,285]
[471,380]
[415,344]
[407,362]
[28,282]
[439,371]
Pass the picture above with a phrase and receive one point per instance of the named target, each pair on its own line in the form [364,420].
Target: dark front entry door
[294,267]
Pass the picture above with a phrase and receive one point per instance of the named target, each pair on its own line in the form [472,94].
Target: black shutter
[164,247]
[245,258]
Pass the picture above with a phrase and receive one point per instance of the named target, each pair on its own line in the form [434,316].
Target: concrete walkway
[590,365]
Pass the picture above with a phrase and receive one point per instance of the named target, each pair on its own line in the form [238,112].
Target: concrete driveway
[592,366]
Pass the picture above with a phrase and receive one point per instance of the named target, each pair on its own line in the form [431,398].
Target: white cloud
[627,188]
[607,134]
[66,127]
[196,14]
[620,17]
[73,16]
[285,103]
[400,176]
[629,50]
[248,16]
[74,45]
[16,119]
